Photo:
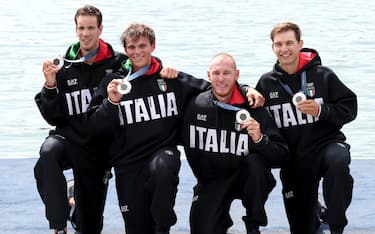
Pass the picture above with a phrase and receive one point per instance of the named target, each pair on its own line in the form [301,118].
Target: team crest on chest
[310,89]
[162,85]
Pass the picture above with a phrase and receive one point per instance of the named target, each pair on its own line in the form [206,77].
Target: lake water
[188,34]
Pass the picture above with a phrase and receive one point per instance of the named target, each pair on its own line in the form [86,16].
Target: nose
[221,77]
[85,32]
[284,47]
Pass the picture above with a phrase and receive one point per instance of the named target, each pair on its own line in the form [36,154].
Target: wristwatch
[265,140]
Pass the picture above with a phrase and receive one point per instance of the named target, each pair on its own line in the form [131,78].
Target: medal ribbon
[84,58]
[138,73]
[303,85]
[226,106]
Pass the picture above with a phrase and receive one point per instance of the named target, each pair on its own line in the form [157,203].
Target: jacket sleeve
[191,85]
[341,106]
[102,116]
[272,146]
[50,105]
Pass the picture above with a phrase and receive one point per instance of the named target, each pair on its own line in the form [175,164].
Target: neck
[137,68]
[83,53]
[291,69]
[225,99]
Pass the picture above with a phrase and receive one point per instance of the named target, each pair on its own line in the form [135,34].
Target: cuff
[259,140]
[112,102]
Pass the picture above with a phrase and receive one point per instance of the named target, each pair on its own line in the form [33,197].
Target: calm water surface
[188,34]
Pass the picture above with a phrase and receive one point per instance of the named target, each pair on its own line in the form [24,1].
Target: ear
[153,46]
[237,74]
[209,75]
[100,29]
[272,47]
[300,44]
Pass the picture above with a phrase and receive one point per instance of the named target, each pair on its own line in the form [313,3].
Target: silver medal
[242,115]
[298,97]
[124,87]
[58,61]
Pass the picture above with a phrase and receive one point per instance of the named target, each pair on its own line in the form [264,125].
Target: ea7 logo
[274,94]
[72,82]
[201,117]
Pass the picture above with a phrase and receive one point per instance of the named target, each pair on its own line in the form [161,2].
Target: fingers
[254,98]
[112,86]
[49,68]
[252,125]
[253,129]
[169,72]
[49,71]
[114,83]
[309,107]
[113,94]
[258,101]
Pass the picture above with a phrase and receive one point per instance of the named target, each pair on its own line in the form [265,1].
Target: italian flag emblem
[162,85]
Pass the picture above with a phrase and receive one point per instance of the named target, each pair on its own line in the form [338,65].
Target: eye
[277,44]
[130,47]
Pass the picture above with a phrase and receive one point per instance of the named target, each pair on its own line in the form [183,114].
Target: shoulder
[261,114]
[120,56]
[202,99]
[268,76]
[324,69]
[111,76]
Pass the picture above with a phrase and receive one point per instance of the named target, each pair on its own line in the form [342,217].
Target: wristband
[113,102]
[259,140]
[50,87]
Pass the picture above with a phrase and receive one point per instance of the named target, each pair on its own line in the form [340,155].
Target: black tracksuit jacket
[65,107]
[147,119]
[214,146]
[306,134]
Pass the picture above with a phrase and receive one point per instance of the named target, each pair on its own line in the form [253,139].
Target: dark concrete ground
[23,212]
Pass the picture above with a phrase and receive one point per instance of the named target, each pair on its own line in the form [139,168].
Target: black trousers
[251,183]
[57,155]
[147,190]
[301,180]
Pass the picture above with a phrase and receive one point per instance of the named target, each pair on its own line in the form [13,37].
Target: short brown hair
[137,30]
[89,10]
[284,27]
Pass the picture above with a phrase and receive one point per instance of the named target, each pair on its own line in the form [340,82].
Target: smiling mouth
[285,55]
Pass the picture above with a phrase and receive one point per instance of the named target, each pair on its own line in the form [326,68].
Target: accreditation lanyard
[303,85]
[84,58]
[226,106]
[138,73]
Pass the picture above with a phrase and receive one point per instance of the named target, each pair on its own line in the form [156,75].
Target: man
[63,102]
[310,105]
[143,127]
[230,159]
